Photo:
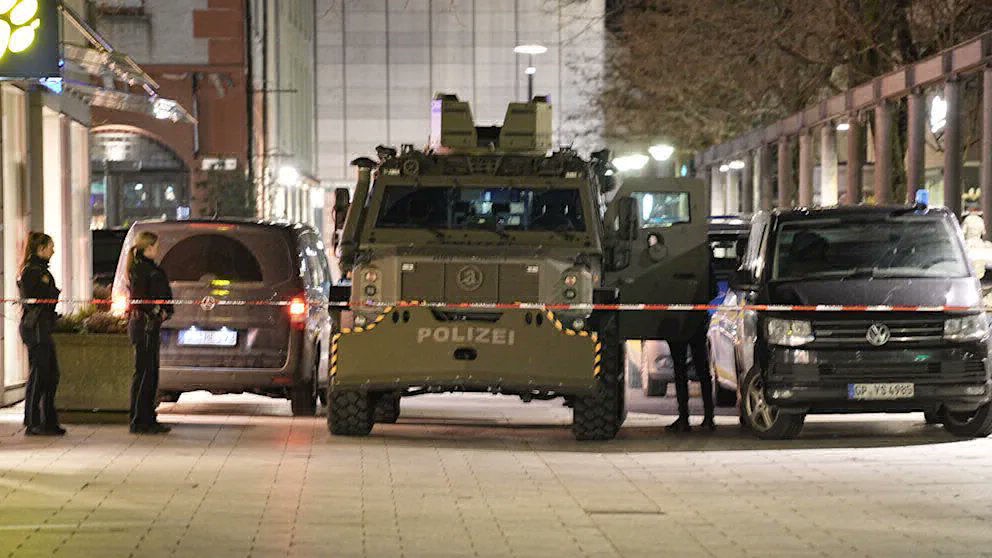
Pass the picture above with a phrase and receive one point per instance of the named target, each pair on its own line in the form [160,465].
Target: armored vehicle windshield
[506,208]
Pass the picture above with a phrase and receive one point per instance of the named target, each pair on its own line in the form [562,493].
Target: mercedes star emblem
[208,303]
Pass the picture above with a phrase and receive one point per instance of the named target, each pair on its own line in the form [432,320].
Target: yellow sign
[18,25]
[30,45]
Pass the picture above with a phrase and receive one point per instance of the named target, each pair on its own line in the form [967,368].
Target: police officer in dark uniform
[37,323]
[698,325]
[147,281]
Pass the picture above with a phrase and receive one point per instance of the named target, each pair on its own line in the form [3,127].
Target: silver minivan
[257,319]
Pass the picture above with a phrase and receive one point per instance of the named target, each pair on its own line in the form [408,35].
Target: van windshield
[519,209]
[895,247]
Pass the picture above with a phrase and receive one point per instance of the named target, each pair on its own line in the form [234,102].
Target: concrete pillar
[916,105]
[986,156]
[785,185]
[732,205]
[883,153]
[717,193]
[952,147]
[766,189]
[805,169]
[747,184]
[828,165]
[855,162]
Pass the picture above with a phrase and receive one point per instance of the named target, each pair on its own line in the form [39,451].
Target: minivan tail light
[298,312]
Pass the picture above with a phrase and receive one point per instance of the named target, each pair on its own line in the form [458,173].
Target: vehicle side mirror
[628,216]
[742,280]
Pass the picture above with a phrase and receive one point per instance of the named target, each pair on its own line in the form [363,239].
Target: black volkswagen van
[785,364]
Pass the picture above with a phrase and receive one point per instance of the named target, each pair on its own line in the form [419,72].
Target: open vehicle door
[661,253]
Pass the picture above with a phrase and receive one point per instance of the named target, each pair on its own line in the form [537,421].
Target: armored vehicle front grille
[465,282]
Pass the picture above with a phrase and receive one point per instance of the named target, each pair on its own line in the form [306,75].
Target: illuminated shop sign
[29,39]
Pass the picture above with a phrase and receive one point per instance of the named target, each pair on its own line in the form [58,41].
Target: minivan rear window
[252,257]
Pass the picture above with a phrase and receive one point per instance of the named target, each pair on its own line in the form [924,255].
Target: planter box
[96,372]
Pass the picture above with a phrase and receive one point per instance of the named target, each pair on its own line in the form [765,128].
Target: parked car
[788,364]
[275,350]
[727,237]
[106,245]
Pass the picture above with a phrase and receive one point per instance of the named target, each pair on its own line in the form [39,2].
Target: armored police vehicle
[474,265]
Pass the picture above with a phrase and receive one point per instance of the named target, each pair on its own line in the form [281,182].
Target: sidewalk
[471,475]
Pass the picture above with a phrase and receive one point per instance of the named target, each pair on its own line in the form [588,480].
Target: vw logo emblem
[208,303]
[469,278]
[878,334]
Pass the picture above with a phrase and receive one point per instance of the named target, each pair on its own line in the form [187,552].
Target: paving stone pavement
[471,475]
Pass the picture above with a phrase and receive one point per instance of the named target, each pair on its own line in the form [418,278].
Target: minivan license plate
[880,391]
[208,338]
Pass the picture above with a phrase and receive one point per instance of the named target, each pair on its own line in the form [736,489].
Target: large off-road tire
[349,413]
[969,425]
[597,416]
[763,419]
[387,408]
[303,394]
[600,414]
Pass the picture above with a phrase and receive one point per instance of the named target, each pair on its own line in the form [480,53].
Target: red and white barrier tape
[211,302]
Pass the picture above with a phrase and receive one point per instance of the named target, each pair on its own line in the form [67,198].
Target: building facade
[44,159]
[380,63]
[245,67]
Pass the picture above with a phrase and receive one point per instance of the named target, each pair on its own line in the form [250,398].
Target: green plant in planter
[91,320]
[96,362]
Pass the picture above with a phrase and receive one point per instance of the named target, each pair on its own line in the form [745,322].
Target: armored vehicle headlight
[360,320]
[570,294]
[370,290]
[371,275]
[571,280]
[791,333]
[578,323]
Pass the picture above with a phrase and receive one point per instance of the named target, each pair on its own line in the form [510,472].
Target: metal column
[855,162]
[747,184]
[766,189]
[914,158]
[784,172]
[828,165]
[986,156]
[952,147]
[883,153]
[805,169]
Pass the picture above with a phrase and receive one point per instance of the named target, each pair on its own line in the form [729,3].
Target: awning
[109,66]
[158,107]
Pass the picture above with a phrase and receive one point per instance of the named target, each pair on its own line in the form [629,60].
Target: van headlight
[790,333]
[967,328]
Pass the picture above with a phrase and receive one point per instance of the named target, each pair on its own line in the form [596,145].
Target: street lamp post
[530,50]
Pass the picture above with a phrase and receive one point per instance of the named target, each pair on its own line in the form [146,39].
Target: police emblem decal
[469,278]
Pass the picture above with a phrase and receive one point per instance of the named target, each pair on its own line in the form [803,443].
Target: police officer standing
[147,282]
[699,324]
[37,322]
